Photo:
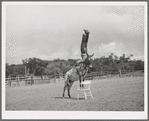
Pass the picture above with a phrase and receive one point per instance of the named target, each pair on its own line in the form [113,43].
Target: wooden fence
[110,74]
[16,81]
[29,80]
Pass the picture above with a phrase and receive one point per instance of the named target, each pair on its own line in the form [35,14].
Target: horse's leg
[70,84]
[80,78]
[83,81]
[65,86]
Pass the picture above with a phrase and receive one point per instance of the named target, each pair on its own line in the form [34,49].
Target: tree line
[40,67]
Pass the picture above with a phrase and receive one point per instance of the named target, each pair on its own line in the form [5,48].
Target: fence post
[43,79]
[110,75]
[120,73]
[101,73]
[33,80]
[18,80]
[133,73]
[10,81]
[26,80]
[92,76]
[54,78]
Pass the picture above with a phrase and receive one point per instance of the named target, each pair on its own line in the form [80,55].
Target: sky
[55,31]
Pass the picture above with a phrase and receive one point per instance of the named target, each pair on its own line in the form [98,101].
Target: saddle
[79,66]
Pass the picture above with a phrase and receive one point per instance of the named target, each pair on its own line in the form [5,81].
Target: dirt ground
[111,94]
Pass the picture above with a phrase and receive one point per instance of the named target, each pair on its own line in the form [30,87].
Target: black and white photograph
[74,60]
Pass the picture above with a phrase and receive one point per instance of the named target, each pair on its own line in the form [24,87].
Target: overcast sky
[55,31]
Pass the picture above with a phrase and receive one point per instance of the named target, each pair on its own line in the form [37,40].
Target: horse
[78,72]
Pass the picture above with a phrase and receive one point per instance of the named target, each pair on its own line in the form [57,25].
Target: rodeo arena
[77,90]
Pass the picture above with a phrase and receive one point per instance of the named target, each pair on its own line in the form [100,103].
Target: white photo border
[70,114]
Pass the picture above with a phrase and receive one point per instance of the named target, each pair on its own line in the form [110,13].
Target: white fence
[29,80]
[16,81]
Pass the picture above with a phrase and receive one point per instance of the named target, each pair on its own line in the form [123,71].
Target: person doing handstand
[84,44]
[83,48]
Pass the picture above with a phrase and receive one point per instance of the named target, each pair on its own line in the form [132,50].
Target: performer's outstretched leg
[84,44]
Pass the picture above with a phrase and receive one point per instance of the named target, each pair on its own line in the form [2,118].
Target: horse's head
[87,61]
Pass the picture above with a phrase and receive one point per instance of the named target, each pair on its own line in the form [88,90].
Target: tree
[138,65]
[8,69]
[32,64]
[43,67]
[40,71]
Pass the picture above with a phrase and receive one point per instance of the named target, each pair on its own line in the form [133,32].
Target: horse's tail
[66,81]
[66,76]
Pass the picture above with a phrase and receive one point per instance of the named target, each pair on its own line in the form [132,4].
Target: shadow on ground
[68,98]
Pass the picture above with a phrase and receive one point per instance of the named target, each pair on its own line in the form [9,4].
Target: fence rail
[29,80]
[15,81]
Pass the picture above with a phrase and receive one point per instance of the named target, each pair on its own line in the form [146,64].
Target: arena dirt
[112,94]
